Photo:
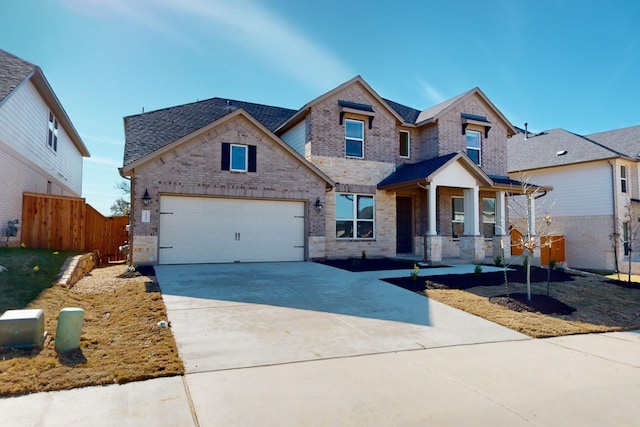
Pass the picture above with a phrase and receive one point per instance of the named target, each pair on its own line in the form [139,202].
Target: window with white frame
[488,218]
[623,179]
[52,135]
[405,144]
[354,216]
[474,144]
[239,158]
[354,138]
[457,216]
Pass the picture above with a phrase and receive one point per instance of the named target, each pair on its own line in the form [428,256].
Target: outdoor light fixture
[146,199]
[319,205]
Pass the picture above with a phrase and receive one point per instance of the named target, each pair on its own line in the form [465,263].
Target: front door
[404,228]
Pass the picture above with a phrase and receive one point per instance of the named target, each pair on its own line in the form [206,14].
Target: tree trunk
[528,261]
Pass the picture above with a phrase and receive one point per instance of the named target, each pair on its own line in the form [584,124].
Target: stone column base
[472,248]
[433,249]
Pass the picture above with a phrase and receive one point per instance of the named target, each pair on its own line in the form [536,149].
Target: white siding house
[587,205]
[40,150]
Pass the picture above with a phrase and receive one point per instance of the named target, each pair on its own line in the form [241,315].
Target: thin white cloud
[103,161]
[430,92]
[246,24]
[102,140]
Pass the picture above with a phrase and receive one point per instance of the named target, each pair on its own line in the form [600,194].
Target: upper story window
[354,138]
[52,135]
[239,158]
[623,179]
[473,146]
[354,216]
[405,144]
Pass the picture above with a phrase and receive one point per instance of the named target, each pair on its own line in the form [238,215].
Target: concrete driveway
[227,316]
[301,344]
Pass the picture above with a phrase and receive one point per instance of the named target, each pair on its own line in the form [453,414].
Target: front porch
[450,211]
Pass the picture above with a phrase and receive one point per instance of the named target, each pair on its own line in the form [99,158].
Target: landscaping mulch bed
[372,264]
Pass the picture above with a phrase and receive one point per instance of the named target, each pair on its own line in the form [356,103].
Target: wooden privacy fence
[69,224]
[555,251]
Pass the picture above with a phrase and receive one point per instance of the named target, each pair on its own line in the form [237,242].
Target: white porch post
[501,214]
[431,230]
[532,214]
[471,211]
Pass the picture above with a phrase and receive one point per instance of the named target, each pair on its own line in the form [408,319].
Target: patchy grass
[120,341]
[29,272]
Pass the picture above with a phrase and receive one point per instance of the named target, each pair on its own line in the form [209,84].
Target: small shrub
[498,261]
[363,257]
[552,264]
[415,272]
[478,270]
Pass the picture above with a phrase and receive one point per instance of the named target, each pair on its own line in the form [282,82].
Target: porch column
[531,214]
[471,211]
[501,214]
[431,226]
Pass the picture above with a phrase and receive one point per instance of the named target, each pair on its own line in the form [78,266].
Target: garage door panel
[201,230]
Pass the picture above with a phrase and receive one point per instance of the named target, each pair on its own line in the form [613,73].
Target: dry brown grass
[120,340]
[600,307]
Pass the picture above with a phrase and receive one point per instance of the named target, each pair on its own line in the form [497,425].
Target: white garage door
[207,230]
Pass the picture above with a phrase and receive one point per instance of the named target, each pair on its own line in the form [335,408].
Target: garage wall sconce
[146,199]
[318,204]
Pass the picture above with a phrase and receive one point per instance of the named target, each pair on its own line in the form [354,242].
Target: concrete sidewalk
[304,344]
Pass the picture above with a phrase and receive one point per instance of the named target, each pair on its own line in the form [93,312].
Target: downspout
[615,216]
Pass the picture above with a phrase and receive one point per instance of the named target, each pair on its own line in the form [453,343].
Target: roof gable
[148,132]
[428,170]
[356,80]
[15,71]
[126,169]
[434,113]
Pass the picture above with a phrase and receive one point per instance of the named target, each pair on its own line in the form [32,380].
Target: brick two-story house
[350,172]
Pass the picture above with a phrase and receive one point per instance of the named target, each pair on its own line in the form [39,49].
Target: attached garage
[216,230]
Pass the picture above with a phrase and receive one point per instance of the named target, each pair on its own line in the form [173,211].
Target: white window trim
[494,217]
[355,219]
[408,156]
[52,129]
[246,158]
[624,182]
[353,139]
[453,220]
[479,149]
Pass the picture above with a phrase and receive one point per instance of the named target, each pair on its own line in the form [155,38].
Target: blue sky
[568,64]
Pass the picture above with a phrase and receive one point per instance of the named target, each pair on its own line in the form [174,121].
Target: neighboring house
[595,180]
[350,173]
[40,150]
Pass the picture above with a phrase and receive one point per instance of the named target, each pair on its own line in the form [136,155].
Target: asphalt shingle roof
[410,172]
[147,132]
[541,150]
[13,71]
[625,141]
[408,114]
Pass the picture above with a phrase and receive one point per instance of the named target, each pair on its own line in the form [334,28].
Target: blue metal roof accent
[355,105]
[411,172]
[474,117]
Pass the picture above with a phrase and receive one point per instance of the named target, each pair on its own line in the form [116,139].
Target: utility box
[69,329]
[22,329]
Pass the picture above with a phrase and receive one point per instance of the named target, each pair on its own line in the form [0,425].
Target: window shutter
[226,156]
[252,163]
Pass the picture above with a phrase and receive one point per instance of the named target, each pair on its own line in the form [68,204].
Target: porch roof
[431,170]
